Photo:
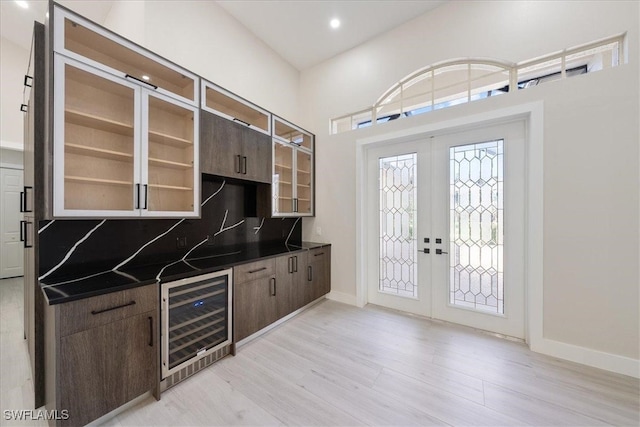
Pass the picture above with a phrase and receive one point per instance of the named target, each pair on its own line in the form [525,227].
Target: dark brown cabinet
[318,273]
[254,298]
[290,272]
[102,352]
[266,291]
[233,150]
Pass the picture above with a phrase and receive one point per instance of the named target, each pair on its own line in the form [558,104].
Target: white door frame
[532,113]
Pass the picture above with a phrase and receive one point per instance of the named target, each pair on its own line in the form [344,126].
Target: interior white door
[447,225]
[11,260]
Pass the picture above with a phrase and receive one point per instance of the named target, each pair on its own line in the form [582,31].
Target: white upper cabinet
[225,104]
[293,182]
[78,38]
[123,145]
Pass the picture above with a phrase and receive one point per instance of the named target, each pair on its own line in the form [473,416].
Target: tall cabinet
[293,185]
[125,127]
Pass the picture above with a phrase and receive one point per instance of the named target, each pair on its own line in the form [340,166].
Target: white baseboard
[342,297]
[586,356]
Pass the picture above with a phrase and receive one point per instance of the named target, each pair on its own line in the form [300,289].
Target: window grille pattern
[457,82]
[476,220]
[398,241]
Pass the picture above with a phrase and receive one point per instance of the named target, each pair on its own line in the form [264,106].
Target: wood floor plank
[289,403]
[534,411]
[450,408]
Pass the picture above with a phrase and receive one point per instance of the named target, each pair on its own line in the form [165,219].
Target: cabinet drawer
[88,313]
[319,255]
[254,270]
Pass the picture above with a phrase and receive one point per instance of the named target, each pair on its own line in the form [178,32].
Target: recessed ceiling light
[22,4]
[334,23]
[145,77]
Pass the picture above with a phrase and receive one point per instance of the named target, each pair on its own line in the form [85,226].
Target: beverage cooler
[196,323]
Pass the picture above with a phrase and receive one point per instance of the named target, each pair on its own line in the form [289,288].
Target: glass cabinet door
[95,148]
[169,181]
[282,184]
[304,183]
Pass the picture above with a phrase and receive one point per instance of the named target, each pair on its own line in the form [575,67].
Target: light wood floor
[339,365]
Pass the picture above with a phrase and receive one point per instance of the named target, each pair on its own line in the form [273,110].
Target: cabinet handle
[318,254]
[309,273]
[290,265]
[150,331]
[146,195]
[23,108]
[238,160]
[129,76]
[137,206]
[94,312]
[272,283]
[295,264]
[255,271]
[28,80]
[25,196]
[24,233]
[22,201]
[244,165]
[241,121]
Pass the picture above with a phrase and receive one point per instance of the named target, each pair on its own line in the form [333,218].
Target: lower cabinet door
[254,306]
[103,368]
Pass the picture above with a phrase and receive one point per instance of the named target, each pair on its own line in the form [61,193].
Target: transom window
[457,82]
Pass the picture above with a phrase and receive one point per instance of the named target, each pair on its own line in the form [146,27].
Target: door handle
[273,286]
[146,196]
[440,252]
[238,163]
[244,165]
[426,250]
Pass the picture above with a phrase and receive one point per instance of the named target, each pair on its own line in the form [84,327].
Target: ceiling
[16,23]
[297,30]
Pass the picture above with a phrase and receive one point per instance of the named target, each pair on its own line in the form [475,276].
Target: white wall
[591,134]
[204,38]
[13,67]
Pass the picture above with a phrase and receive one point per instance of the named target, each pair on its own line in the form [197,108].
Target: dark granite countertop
[89,281]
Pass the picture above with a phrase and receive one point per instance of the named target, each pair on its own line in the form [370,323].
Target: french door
[447,220]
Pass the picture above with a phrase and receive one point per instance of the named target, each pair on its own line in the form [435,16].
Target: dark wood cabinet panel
[103,363]
[253,271]
[286,298]
[233,150]
[257,154]
[254,306]
[105,367]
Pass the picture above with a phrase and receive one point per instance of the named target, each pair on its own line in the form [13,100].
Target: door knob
[440,252]
[425,250]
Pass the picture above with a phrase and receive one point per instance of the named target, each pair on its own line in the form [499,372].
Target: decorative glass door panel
[476,226]
[398,225]
[96,130]
[304,183]
[282,184]
[170,180]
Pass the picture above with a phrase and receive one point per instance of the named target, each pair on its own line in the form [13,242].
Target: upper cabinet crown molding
[83,40]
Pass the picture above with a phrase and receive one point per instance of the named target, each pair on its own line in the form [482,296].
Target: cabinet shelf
[87,180]
[97,122]
[170,187]
[164,138]
[303,171]
[284,182]
[98,152]
[169,164]
[282,166]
